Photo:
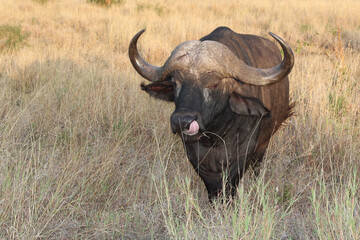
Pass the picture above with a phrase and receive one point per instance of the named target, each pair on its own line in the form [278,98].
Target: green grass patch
[43,2]
[105,2]
[158,8]
[12,38]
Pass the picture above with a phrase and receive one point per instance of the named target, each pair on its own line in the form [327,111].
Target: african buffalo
[231,94]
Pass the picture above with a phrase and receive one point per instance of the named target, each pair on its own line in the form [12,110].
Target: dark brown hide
[260,53]
[231,94]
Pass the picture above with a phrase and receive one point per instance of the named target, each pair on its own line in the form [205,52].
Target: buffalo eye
[174,82]
[176,85]
[213,86]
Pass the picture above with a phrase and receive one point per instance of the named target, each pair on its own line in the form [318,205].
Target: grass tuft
[106,2]
[42,2]
[12,38]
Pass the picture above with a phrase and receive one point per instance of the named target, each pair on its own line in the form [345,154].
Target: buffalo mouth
[192,129]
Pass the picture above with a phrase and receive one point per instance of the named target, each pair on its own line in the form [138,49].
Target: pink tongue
[194,128]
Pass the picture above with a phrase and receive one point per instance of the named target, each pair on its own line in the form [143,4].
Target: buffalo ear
[247,106]
[163,90]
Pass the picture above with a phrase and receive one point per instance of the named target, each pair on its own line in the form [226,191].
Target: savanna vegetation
[84,154]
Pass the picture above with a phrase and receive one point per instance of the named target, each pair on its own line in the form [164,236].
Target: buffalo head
[201,77]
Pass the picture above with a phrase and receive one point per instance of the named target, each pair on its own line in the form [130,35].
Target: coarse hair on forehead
[198,57]
[202,79]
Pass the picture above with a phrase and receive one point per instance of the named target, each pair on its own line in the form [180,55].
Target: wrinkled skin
[225,124]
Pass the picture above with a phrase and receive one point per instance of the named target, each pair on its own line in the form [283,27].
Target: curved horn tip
[276,37]
[139,33]
[284,45]
[146,70]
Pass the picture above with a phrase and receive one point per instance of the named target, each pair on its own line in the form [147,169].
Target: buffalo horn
[146,70]
[262,77]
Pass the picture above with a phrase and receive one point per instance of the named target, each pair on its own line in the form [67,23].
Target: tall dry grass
[84,154]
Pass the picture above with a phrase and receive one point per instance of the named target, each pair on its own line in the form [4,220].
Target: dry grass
[84,154]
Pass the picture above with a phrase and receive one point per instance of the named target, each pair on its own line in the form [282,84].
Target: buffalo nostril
[187,125]
[181,123]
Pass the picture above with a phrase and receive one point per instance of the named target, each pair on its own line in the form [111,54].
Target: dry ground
[84,154]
